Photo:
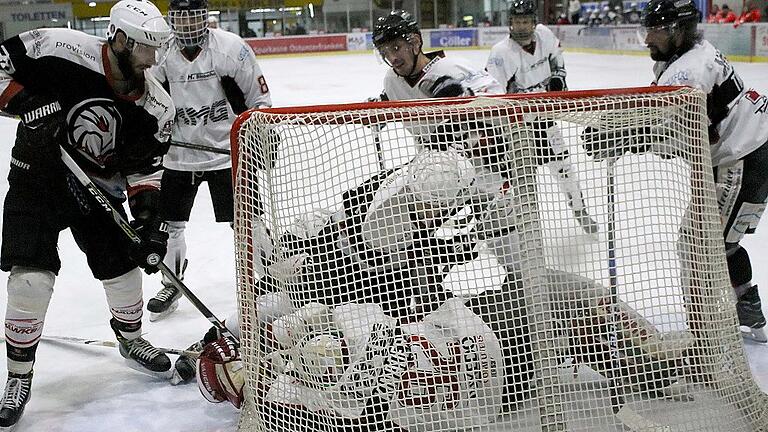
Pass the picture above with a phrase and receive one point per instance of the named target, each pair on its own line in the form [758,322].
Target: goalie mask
[189,21]
[440,179]
[522,21]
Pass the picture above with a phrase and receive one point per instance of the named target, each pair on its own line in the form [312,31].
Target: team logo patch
[5,61]
[94,126]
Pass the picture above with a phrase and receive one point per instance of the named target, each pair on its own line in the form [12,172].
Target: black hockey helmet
[522,21]
[522,7]
[187,4]
[397,25]
[669,12]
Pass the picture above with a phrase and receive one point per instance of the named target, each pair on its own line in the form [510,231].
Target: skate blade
[158,316]
[754,334]
[166,375]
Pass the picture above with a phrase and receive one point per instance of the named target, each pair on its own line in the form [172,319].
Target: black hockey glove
[446,86]
[40,132]
[556,83]
[602,145]
[154,243]
[145,209]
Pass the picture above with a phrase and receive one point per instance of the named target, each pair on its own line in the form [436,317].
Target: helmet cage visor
[190,27]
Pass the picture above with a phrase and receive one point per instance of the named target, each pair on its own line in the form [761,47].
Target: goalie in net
[357,328]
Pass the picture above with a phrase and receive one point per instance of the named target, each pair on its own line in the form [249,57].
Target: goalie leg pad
[29,293]
[220,374]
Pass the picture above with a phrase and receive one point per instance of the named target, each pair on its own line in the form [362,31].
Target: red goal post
[655,321]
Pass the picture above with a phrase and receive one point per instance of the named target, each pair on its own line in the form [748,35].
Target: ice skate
[585,220]
[185,368]
[140,355]
[164,302]
[15,398]
[751,318]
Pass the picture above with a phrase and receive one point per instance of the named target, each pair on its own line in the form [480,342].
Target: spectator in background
[213,22]
[563,19]
[714,15]
[726,15]
[619,18]
[632,16]
[750,14]
[574,11]
[594,18]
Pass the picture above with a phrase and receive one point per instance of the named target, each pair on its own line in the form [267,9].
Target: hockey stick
[112,344]
[131,234]
[626,415]
[376,128]
[199,147]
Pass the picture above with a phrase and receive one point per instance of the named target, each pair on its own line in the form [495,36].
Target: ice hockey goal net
[441,265]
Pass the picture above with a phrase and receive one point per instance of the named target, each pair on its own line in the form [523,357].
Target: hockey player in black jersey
[92,98]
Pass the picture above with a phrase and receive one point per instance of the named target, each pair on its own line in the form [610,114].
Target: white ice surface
[82,388]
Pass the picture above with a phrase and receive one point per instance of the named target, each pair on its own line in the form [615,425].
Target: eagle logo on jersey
[5,61]
[94,125]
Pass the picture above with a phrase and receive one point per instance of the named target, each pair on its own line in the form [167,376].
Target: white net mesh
[579,283]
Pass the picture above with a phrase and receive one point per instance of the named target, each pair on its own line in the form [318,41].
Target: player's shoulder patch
[67,44]
[229,44]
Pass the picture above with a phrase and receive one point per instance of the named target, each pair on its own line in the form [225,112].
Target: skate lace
[16,391]
[166,293]
[142,349]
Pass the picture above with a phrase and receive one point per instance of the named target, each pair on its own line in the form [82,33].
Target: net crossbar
[541,262]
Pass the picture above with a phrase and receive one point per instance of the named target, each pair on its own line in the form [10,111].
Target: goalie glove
[220,374]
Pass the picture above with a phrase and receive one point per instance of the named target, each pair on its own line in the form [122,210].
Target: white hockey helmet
[140,20]
[440,178]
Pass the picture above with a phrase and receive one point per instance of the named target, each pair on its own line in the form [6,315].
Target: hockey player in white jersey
[738,134]
[418,75]
[212,76]
[529,61]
